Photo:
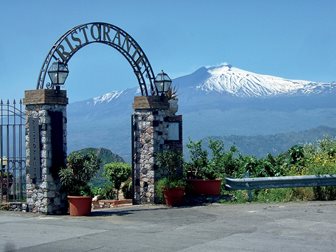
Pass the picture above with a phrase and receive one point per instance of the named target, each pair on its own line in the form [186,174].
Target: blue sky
[291,39]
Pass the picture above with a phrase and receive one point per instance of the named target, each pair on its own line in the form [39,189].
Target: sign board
[34,147]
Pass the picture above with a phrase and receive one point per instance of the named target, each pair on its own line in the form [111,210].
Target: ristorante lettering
[97,32]
[108,34]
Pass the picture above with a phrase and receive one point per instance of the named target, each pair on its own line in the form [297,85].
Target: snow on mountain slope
[214,101]
[228,80]
[241,83]
[107,97]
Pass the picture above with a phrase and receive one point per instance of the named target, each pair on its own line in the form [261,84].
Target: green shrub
[171,162]
[310,159]
[105,191]
[197,167]
[222,163]
[117,173]
[80,169]
[127,189]
[216,165]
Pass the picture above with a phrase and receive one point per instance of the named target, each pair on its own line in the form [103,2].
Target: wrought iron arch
[97,32]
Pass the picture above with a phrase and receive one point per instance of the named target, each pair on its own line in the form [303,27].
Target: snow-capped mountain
[214,101]
[229,80]
[226,79]
[242,83]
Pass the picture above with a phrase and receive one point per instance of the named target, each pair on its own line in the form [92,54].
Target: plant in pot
[204,176]
[171,95]
[170,188]
[75,178]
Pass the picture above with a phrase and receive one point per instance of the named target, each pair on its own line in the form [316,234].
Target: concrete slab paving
[303,226]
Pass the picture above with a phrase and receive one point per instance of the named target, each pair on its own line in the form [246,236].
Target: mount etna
[215,101]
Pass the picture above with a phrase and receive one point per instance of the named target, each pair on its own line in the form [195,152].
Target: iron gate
[12,152]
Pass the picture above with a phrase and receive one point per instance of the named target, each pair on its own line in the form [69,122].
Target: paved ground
[250,227]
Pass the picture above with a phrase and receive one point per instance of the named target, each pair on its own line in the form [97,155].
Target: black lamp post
[58,72]
[162,83]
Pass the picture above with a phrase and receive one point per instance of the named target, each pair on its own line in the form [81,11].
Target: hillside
[261,145]
[106,156]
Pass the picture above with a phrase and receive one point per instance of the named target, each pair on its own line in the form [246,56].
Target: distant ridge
[214,101]
[261,145]
[105,156]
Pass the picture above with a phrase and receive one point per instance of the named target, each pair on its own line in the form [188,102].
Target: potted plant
[171,187]
[204,177]
[75,178]
[172,99]
[171,191]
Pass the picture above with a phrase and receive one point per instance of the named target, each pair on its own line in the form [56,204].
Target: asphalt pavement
[303,226]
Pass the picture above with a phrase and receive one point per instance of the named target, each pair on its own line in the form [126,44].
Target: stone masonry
[150,136]
[43,184]
[46,146]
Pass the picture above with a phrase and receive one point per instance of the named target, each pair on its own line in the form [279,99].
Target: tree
[117,173]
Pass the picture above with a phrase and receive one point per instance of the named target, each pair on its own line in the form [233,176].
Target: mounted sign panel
[174,124]
[104,33]
[173,131]
[34,147]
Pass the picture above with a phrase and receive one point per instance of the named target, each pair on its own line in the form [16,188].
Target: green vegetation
[80,169]
[105,156]
[100,183]
[202,166]
[310,159]
[171,162]
[117,176]
[117,173]
[216,161]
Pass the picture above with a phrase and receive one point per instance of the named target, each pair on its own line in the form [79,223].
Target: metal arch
[44,68]
[141,74]
[140,77]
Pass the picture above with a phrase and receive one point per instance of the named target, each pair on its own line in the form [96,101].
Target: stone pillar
[151,133]
[46,147]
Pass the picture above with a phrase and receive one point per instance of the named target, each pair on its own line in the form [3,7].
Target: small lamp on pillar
[58,72]
[162,83]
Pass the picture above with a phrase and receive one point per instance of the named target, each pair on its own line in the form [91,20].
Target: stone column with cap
[46,148]
[151,133]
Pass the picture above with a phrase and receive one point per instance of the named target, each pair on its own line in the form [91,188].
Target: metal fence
[279,182]
[12,152]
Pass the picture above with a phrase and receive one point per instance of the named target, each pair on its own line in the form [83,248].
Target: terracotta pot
[79,205]
[204,186]
[174,196]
